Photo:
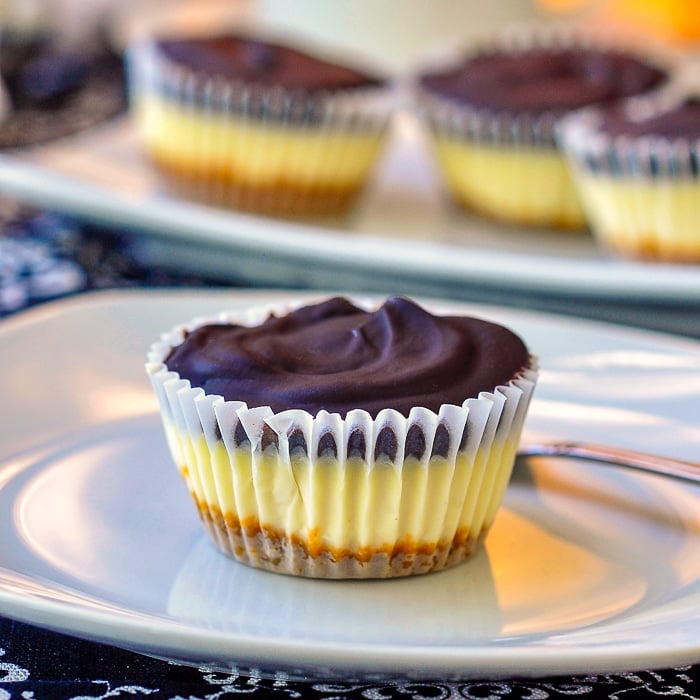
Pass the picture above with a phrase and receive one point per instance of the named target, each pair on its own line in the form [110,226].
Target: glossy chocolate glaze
[681,121]
[337,357]
[262,63]
[543,80]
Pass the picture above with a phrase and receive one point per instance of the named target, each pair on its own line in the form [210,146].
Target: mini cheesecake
[638,171]
[343,441]
[257,125]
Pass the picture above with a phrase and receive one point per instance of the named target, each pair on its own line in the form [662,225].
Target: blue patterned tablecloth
[44,256]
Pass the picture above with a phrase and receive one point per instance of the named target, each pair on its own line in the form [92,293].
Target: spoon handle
[668,466]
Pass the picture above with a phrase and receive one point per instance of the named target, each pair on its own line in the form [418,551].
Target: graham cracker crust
[270,549]
[281,199]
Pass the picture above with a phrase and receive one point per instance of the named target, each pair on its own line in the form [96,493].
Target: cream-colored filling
[254,154]
[530,186]
[353,509]
[653,218]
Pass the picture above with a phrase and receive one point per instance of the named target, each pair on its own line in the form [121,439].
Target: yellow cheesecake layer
[254,155]
[648,219]
[259,507]
[524,186]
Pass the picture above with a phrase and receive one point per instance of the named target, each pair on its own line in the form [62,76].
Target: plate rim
[156,637]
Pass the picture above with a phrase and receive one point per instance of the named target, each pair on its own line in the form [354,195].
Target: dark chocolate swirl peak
[336,356]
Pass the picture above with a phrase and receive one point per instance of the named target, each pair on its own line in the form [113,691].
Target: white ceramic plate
[587,569]
[403,230]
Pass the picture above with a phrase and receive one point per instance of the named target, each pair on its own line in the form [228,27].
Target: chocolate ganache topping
[336,356]
[544,80]
[679,122]
[267,64]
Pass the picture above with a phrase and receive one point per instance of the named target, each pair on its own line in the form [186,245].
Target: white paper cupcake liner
[257,147]
[641,193]
[332,497]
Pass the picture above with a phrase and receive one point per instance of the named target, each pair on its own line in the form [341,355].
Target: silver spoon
[668,466]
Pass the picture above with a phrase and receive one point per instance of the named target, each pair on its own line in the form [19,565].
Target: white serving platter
[404,230]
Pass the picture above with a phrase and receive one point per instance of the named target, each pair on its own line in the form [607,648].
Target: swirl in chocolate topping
[262,63]
[544,80]
[336,356]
